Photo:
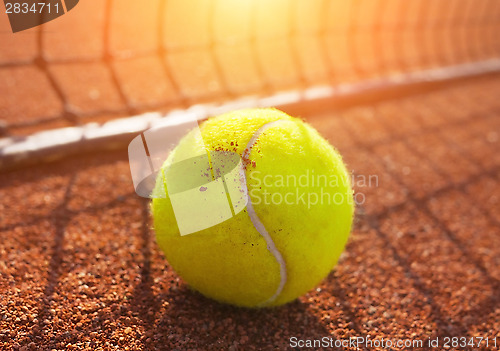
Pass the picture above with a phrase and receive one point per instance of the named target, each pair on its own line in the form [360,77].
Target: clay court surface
[80,268]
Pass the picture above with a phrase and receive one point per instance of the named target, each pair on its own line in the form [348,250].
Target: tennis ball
[293,228]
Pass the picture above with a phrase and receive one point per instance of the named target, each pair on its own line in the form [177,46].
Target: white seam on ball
[259,226]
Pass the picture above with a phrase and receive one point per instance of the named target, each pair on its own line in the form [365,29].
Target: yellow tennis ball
[285,238]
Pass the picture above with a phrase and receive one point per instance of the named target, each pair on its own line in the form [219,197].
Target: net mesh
[111,58]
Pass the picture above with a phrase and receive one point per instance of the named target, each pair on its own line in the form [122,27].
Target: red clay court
[401,97]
